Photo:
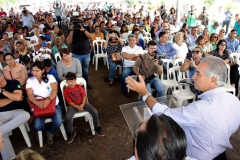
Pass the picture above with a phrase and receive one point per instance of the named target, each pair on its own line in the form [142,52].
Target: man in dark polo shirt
[79,39]
[12,114]
[148,66]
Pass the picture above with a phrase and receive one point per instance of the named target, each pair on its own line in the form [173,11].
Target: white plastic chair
[56,56]
[119,67]
[87,115]
[48,120]
[32,46]
[1,66]
[176,61]
[36,58]
[228,87]
[99,53]
[147,34]
[147,39]
[178,92]
[24,128]
[237,57]
[166,81]
[46,56]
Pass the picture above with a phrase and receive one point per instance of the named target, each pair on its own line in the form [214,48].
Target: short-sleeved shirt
[149,68]
[11,86]
[41,89]
[135,50]
[80,42]
[226,55]
[28,21]
[74,94]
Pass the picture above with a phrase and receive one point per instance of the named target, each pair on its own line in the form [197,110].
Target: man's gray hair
[217,68]
[131,35]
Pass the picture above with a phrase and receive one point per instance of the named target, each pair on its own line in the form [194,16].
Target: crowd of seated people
[30,41]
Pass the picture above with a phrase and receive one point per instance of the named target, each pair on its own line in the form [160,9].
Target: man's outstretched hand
[139,87]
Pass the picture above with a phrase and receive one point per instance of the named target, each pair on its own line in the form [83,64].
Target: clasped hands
[43,104]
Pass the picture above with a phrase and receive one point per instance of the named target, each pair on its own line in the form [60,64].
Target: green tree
[208,3]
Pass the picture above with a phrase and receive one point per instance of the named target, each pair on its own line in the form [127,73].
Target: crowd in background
[33,42]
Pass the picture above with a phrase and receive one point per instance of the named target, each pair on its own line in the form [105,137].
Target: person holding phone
[192,60]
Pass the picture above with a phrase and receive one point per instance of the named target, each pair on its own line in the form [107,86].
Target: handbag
[116,57]
[48,111]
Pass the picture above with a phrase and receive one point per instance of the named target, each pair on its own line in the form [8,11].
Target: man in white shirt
[129,54]
[209,122]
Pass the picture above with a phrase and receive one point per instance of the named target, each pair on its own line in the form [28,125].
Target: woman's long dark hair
[40,66]
[162,139]
[219,43]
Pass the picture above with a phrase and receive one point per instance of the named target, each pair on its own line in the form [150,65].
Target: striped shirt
[207,123]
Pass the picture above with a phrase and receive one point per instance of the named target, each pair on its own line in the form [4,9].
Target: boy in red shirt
[76,100]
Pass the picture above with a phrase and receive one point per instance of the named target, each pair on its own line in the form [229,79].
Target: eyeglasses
[222,44]
[197,52]
[136,33]
[10,59]
[214,37]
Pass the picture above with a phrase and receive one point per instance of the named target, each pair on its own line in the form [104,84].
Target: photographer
[148,65]
[78,38]
[191,17]
[203,17]
[58,12]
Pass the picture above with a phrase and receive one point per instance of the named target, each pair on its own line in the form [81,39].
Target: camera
[76,22]
[111,35]
[162,6]
[159,57]
[189,56]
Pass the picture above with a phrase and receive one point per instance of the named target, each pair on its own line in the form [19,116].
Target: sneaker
[71,136]
[98,130]
[49,138]
[89,86]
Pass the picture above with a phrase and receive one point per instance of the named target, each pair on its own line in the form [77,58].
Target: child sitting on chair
[76,100]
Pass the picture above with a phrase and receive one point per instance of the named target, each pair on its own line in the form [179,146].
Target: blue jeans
[84,60]
[40,125]
[156,84]
[127,71]
[112,69]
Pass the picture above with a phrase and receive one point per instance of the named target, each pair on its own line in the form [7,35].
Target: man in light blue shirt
[232,42]
[193,36]
[164,47]
[27,20]
[207,123]
[228,15]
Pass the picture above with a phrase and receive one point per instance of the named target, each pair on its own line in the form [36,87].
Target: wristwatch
[146,96]
[2,89]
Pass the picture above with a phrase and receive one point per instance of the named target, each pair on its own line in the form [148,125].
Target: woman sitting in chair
[58,45]
[113,44]
[224,54]
[45,86]
[68,64]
